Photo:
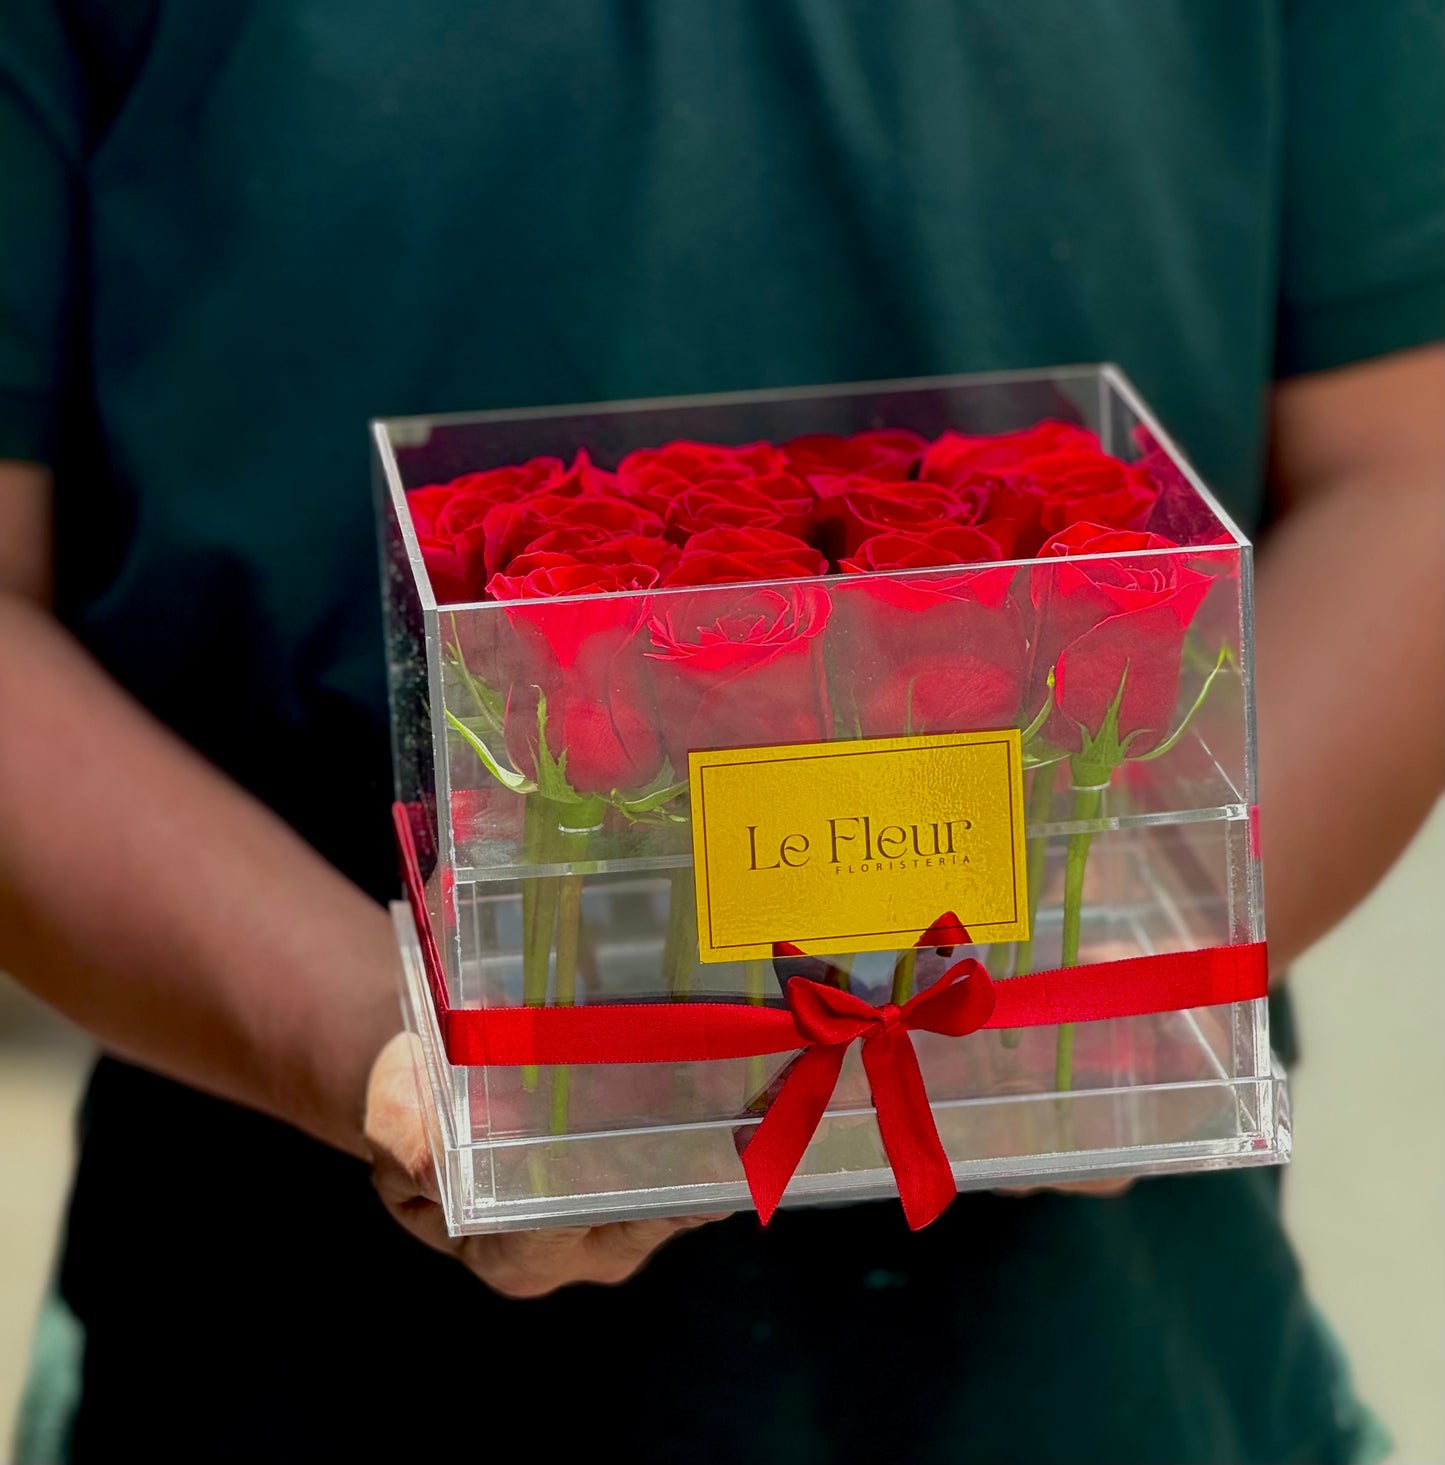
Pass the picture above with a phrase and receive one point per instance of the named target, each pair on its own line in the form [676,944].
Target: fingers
[1101,1188]
[401,1154]
[534,1263]
[520,1264]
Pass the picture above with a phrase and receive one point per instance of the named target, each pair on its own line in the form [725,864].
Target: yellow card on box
[857,846]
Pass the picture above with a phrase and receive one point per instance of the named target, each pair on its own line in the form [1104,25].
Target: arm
[156,904]
[188,928]
[1349,635]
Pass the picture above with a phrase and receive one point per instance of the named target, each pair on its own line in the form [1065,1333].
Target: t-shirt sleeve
[41,161]
[1362,248]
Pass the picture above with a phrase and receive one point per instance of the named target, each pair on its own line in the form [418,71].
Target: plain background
[1366,1196]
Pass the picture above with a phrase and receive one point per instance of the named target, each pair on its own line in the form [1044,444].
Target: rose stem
[569,931]
[843,965]
[903,970]
[755,978]
[1086,806]
[681,942]
[569,846]
[538,906]
[1040,806]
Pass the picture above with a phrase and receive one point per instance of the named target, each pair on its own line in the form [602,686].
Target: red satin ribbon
[828,1020]
[823,1021]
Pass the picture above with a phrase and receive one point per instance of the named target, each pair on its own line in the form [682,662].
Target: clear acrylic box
[528,902]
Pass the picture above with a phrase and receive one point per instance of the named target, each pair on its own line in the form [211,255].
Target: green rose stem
[539,913]
[1040,806]
[570,845]
[679,949]
[569,930]
[843,966]
[1087,799]
[1092,769]
[755,988]
[903,970]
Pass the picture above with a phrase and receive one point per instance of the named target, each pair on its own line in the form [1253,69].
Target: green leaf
[1226,657]
[646,803]
[507,777]
[491,703]
[1044,758]
[551,772]
[585,811]
[1102,752]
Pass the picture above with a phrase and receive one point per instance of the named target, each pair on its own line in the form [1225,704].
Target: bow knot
[961,1001]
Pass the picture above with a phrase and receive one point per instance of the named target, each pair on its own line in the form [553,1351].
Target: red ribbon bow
[961,1001]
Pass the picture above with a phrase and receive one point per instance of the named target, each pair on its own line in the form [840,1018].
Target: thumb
[394,1125]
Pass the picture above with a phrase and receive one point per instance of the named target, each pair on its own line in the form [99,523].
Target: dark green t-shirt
[232,232]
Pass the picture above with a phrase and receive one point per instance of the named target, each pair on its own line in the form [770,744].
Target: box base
[523,1183]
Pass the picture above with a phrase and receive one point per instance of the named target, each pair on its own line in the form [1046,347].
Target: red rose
[948,544]
[889,454]
[512,527]
[1107,623]
[448,521]
[736,667]
[1092,488]
[929,652]
[454,567]
[584,477]
[585,548]
[690,462]
[1043,480]
[955,456]
[585,657]
[717,556]
[424,504]
[538,576]
[480,491]
[654,477]
[852,508]
[768,501]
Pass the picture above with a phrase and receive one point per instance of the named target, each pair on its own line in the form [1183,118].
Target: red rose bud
[955,457]
[948,544]
[454,566]
[929,652]
[735,667]
[888,454]
[585,657]
[717,556]
[539,576]
[512,527]
[465,500]
[769,501]
[583,547]
[656,476]
[584,477]
[852,509]
[1111,623]
[424,504]
[1092,488]
[448,521]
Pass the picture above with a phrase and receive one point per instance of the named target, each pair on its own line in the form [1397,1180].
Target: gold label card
[857,846]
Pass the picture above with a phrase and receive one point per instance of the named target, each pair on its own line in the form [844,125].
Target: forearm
[1349,688]
[168,912]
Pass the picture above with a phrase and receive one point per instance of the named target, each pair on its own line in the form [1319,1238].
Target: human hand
[1103,1189]
[517,1264]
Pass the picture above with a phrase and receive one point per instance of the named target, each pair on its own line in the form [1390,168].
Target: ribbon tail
[905,1120]
[774,1152]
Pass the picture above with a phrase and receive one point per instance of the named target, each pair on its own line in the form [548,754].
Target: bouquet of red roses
[877,585]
